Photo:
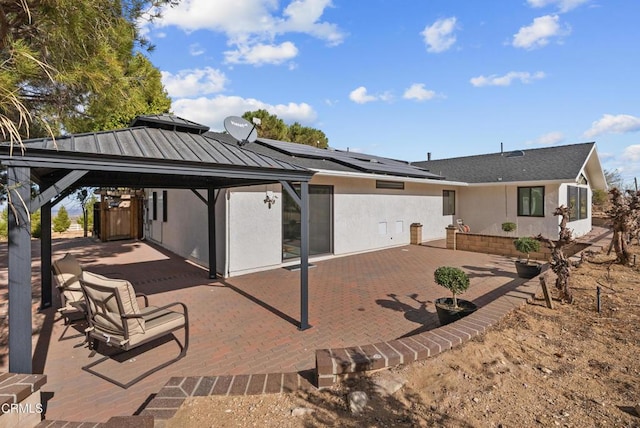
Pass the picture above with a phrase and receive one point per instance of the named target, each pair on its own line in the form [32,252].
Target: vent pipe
[428,156]
[501,148]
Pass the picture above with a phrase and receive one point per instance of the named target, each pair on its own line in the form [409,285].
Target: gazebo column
[211,224]
[304,255]
[20,319]
[45,256]
[302,201]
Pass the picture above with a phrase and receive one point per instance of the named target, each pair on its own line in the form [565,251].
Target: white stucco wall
[249,234]
[185,231]
[485,208]
[366,218]
[254,230]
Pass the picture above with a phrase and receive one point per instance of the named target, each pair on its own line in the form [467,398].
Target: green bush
[509,226]
[526,245]
[452,278]
[4,224]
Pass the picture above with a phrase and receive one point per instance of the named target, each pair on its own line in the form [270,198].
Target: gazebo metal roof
[166,152]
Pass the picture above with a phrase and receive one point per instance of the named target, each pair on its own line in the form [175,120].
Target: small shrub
[527,245]
[452,278]
[508,226]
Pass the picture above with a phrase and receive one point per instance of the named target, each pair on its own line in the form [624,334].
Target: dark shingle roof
[543,164]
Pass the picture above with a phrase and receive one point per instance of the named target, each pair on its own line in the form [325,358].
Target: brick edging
[168,400]
[15,388]
[335,363]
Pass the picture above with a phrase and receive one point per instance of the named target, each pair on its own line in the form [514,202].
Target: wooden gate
[121,219]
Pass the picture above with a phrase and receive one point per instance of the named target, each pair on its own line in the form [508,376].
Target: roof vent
[515,154]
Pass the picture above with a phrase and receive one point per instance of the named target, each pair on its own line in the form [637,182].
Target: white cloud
[439,36]
[250,24]
[193,82]
[539,32]
[632,153]
[563,5]
[495,80]
[196,50]
[548,139]
[213,111]
[618,124]
[418,92]
[259,54]
[360,96]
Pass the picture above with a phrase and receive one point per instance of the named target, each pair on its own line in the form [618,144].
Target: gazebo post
[45,256]
[20,318]
[211,222]
[304,255]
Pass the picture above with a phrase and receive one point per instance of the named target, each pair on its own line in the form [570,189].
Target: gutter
[344,174]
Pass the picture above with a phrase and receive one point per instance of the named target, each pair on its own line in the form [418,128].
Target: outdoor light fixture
[270,198]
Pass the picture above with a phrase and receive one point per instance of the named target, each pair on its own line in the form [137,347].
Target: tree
[271,126]
[63,60]
[559,263]
[625,218]
[306,135]
[614,178]
[86,198]
[274,128]
[61,221]
[72,66]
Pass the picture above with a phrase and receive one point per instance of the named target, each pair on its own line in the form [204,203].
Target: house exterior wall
[185,231]
[249,233]
[485,208]
[366,218]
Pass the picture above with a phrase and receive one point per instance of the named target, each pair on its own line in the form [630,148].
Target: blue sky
[401,78]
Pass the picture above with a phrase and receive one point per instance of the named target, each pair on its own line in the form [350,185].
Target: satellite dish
[241,129]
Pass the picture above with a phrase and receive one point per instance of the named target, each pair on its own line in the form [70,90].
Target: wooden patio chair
[67,272]
[116,320]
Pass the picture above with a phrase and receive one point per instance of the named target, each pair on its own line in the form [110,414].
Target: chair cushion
[68,271]
[158,323]
[104,307]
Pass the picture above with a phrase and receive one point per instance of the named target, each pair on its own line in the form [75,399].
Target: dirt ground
[569,366]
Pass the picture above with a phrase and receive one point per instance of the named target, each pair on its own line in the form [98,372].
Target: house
[357,203]
[525,187]
[361,202]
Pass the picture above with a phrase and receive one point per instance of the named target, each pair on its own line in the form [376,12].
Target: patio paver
[247,325]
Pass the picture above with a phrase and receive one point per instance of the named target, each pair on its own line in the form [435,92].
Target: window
[448,202]
[382,184]
[531,201]
[577,202]
[154,206]
[164,205]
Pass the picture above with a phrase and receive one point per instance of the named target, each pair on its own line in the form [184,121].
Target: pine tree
[61,221]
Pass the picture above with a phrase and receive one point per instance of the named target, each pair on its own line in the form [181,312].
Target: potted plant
[451,309]
[527,245]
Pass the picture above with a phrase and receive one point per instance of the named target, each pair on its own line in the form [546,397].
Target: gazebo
[161,151]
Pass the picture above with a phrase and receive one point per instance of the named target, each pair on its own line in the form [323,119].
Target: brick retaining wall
[489,244]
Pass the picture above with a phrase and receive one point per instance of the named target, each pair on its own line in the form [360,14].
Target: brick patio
[248,324]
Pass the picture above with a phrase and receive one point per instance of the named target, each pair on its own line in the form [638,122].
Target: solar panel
[359,161]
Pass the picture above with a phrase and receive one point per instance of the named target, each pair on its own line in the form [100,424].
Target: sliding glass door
[320,222]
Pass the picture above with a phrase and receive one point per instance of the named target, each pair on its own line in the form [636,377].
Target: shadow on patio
[248,324]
